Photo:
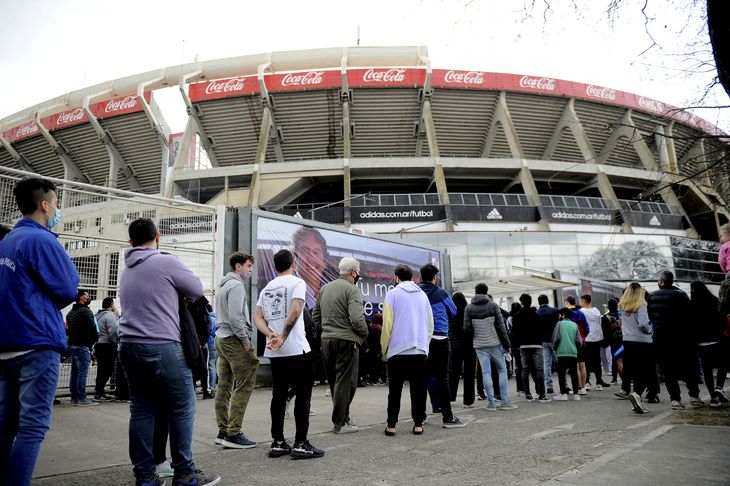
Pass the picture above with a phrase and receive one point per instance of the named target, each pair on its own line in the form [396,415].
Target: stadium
[503,171]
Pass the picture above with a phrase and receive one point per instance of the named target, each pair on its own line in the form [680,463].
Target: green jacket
[339,312]
[566,339]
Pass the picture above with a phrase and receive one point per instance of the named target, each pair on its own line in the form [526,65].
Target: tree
[633,260]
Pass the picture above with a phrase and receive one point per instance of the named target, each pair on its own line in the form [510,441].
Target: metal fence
[93,231]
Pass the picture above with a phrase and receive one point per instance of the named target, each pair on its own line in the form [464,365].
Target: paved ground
[597,439]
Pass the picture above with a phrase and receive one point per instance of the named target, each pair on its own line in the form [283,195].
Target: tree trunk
[718,25]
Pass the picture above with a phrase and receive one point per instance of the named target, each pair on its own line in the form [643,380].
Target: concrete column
[438,170]
[502,117]
[569,120]
[255,191]
[528,185]
[662,148]
[607,193]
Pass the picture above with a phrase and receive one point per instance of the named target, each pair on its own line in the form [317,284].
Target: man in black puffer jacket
[527,328]
[669,313]
[82,334]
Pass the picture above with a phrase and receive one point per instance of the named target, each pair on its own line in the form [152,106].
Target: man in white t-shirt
[593,340]
[279,318]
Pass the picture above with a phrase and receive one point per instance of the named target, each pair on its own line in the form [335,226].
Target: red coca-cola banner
[118,106]
[460,79]
[223,88]
[379,77]
[65,119]
[304,81]
[21,132]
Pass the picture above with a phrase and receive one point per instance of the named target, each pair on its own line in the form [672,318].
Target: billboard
[318,252]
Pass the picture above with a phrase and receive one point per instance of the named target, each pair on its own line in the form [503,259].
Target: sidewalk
[597,439]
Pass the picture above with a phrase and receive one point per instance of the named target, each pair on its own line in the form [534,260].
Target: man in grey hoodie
[106,347]
[153,358]
[237,361]
[483,319]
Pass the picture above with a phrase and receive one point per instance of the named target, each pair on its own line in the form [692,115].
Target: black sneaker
[455,423]
[196,478]
[652,399]
[720,395]
[102,399]
[550,391]
[529,398]
[239,441]
[279,449]
[305,450]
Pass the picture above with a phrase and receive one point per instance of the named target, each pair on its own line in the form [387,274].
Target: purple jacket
[149,293]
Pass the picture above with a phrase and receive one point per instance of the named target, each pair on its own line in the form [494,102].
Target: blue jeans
[547,363]
[159,379]
[495,354]
[27,387]
[80,360]
[212,374]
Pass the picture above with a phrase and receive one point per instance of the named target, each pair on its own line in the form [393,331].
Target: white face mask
[246,275]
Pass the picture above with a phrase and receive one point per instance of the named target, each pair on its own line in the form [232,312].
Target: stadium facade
[500,169]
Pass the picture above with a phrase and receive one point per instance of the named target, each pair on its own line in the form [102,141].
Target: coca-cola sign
[68,117]
[222,88]
[543,84]
[119,104]
[26,130]
[384,76]
[651,105]
[599,92]
[225,86]
[312,78]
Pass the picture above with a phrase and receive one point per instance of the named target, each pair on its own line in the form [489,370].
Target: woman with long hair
[711,342]
[639,358]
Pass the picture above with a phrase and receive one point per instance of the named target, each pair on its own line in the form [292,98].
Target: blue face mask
[55,219]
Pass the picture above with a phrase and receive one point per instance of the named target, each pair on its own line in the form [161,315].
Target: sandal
[389,433]
[417,432]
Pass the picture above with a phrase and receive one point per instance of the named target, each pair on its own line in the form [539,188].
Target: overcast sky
[51,47]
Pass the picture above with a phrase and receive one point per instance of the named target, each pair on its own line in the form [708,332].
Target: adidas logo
[494,214]
[654,221]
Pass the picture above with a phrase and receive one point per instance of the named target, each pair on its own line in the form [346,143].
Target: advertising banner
[651,220]
[393,214]
[381,77]
[318,253]
[496,214]
[585,216]
[224,88]
[21,132]
[304,81]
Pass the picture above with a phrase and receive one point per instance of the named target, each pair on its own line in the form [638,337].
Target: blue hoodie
[442,306]
[37,280]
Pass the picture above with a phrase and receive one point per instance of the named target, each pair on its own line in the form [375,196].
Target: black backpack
[194,325]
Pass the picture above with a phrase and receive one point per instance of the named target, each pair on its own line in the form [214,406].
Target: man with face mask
[38,279]
[339,312]
[237,361]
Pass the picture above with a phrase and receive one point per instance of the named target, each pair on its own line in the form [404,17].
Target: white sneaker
[312,411]
[346,429]
[588,386]
[677,405]
[599,388]
[577,397]
[582,391]
[561,398]
[164,470]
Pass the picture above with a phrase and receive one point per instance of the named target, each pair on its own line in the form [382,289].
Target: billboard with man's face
[318,253]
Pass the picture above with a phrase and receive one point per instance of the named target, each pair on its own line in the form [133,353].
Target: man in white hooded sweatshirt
[237,361]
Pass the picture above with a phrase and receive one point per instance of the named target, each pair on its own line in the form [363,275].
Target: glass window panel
[432,199]
[469,199]
[512,200]
[596,203]
[583,202]
[402,200]
[570,202]
[418,199]
[546,201]
[387,200]
[498,199]
[523,200]
[485,200]
[558,201]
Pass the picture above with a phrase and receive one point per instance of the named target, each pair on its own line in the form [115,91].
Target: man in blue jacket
[37,279]
[442,308]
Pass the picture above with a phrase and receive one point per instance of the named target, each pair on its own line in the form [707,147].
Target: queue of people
[424,333]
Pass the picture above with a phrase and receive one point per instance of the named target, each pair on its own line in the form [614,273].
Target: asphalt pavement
[597,440]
